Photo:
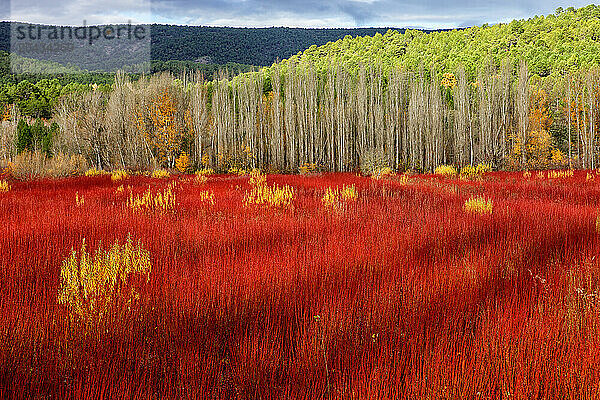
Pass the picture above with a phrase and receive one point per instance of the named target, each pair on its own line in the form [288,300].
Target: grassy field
[325,286]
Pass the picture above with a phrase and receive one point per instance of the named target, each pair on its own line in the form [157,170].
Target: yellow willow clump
[334,198]
[381,173]
[474,171]
[4,186]
[79,201]
[445,170]
[404,179]
[479,205]
[261,193]
[160,173]
[90,284]
[307,168]
[201,175]
[205,171]
[154,202]
[589,177]
[348,193]
[94,172]
[237,171]
[557,174]
[200,179]
[207,196]
[331,198]
[257,178]
[118,175]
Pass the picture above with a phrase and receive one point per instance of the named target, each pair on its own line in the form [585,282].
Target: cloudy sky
[293,13]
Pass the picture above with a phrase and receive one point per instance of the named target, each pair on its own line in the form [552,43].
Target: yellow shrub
[557,156]
[448,80]
[207,196]
[237,171]
[335,198]
[331,197]
[382,173]
[118,175]
[307,168]
[445,170]
[182,163]
[79,201]
[90,284]
[558,174]
[474,171]
[4,186]
[205,171]
[94,172]
[479,205]
[36,164]
[483,168]
[160,173]
[404,179]
[202,175]
[159,202]
[63,165]
[348,193]
[261,193]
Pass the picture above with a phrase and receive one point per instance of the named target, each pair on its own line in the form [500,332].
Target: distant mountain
[254,46]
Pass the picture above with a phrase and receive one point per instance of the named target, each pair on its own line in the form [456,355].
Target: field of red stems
[329,286]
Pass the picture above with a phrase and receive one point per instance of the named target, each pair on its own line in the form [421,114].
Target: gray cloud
[297,13]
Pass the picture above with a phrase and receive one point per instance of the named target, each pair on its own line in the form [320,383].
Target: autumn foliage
[162,128]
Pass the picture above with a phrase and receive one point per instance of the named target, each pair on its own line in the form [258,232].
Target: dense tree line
[209,71]
[36,94]
[506,118]
[37,100]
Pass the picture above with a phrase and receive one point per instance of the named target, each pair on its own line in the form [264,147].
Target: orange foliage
[6,113]
[162,129]
[183,163]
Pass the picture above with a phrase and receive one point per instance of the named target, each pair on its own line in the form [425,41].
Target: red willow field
[398,293]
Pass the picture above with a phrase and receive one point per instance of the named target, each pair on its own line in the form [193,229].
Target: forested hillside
[222,45]
[553,44]
[21,68]
[254,46]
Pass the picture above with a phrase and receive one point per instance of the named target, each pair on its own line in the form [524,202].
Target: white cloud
[293,13]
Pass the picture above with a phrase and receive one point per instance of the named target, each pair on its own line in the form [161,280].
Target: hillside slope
[553,44]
